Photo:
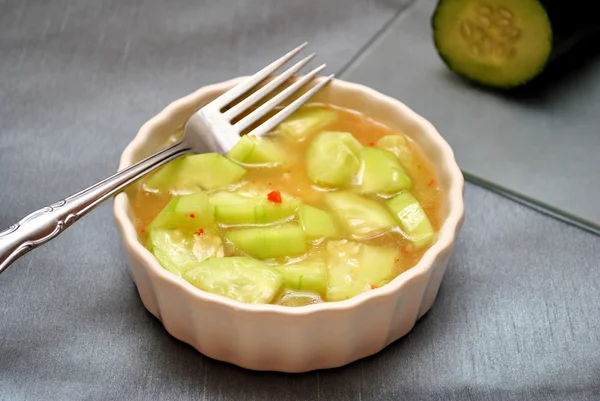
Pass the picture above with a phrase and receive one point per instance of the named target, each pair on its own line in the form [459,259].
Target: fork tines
[269,105]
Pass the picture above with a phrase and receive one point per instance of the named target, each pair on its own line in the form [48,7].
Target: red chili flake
[403,251]
[274,196]
[371,143]
[431,183]
[143,230]
[374,287]
[192,215]
[200,231]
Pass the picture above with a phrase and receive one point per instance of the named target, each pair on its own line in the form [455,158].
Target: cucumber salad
[328,206]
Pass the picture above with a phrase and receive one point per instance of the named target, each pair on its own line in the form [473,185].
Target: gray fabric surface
[517,317]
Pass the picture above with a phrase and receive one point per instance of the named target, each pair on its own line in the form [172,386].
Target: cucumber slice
[503,43]
[306,122]
[377,265]
[172,249]
[242,207]
[193,172]
[332,159]
[258,151]
[381,173]
[270,242]
[399,146]
[309,275]
[412,219]
[186,212]
[240,278]
[353,268]
[361,217]
[316,223]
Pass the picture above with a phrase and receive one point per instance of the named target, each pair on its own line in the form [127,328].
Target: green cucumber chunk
[498,43]
[194,172]
[309,275]
[381,173]
[270,242]
[332,159]
[172,248]
[243,207]
[178,251]
[360,217]
[306,122]
[186,212]
[258,151]
[316,223]
[353,268]
[412,219]
[400,147]
[240,278]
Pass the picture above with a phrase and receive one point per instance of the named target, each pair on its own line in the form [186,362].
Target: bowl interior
[379,107]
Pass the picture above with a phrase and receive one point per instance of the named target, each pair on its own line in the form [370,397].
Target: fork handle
[45,224]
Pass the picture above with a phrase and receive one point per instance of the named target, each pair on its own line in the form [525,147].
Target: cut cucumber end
[499,43]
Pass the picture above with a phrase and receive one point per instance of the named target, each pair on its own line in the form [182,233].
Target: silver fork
[208,128]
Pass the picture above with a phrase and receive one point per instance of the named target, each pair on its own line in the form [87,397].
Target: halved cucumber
[412,219]
[500,43]
[258,151]
[332,159]
[242,207]
[381,173]
[195,172]
[306,122]
[240,278]
[361,217]
[270,242]
[186,212]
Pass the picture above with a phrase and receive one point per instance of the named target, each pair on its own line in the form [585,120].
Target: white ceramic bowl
[278,338]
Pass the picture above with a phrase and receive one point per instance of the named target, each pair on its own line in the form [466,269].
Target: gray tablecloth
[517,316]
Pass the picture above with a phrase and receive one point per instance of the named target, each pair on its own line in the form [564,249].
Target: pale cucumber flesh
[240,278]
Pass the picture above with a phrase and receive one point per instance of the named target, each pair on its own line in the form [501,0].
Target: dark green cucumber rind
[571,23]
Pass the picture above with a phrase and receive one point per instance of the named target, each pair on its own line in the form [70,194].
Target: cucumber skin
[570,24]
